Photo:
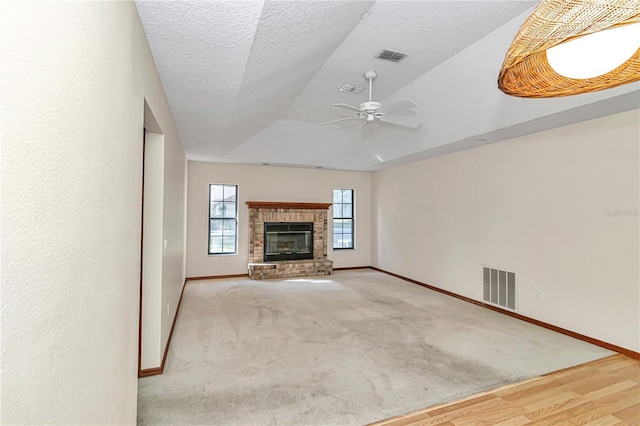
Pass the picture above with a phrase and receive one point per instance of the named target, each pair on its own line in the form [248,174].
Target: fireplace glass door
[288,241]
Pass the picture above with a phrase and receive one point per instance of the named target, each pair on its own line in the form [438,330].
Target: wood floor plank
[490,416]
[595,382]
[599,393]
[545,398]
[435,411]
[622,403]
[515,421]
[629,416]
[614,391]
[438,410]
[557,409]
[604,421]
[550,406]
[471,411]
[578,415]
[632,371]
[617,362]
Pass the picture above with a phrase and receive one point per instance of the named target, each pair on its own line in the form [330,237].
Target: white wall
[153,251]
[74,79]
[560,208]
[268,183]
[175,199]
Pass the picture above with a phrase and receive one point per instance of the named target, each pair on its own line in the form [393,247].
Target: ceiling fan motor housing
[370,107]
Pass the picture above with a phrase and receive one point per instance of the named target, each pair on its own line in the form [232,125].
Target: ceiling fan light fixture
[531,69]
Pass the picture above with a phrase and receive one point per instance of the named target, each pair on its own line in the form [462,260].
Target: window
[343,218]
[223,222]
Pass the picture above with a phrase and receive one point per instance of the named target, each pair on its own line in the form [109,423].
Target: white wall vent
[391,55]
[499,287]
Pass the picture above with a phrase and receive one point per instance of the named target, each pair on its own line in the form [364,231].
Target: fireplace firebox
[288,241]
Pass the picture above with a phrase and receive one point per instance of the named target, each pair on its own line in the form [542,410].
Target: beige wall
[268,183]
[560,208]
[74,79]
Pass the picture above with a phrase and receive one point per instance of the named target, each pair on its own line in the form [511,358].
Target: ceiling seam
[244,73]
[362,18]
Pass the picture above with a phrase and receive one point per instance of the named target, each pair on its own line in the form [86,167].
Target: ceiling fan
[370,112]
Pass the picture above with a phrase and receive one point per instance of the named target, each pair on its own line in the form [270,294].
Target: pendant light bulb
[595,54]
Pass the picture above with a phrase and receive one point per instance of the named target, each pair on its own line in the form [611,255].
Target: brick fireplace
[261,212]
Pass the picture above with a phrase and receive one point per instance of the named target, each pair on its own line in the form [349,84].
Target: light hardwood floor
[602,392]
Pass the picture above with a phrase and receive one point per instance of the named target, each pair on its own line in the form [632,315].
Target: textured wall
[266,183]
[153,251]
[174,197]
[74,76]
[560,208]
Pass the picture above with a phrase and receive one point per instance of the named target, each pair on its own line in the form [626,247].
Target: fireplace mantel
[287,205]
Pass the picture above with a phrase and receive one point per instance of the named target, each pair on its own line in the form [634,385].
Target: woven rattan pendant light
[526,71]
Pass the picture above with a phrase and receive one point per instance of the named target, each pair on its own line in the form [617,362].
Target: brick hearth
[261,212]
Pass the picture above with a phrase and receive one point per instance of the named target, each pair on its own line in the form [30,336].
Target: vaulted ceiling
[249,81]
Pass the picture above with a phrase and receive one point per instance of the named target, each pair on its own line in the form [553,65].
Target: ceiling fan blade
[401,121]
[400,106]
[345,106]
[355,117]
[367,131]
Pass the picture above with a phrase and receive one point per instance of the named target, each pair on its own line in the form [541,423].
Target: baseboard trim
[159,370]
[217,277]
[597,342]
[430,287]
[150,372]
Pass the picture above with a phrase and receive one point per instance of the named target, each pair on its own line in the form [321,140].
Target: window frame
[223,219]
[343,218]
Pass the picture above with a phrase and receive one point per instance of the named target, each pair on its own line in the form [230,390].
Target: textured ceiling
[247,81]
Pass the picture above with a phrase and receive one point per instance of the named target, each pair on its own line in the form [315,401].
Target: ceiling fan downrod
[370,76]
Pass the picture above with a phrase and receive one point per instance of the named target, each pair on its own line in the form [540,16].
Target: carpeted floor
[351,348]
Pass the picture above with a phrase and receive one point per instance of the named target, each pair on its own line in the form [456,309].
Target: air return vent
[499,287]
[391,55]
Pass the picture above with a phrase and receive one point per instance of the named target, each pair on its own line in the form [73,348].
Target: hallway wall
[559,208]
[74,79]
